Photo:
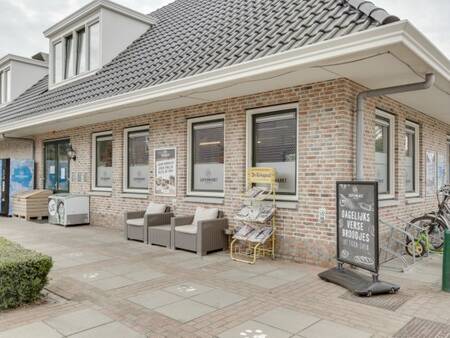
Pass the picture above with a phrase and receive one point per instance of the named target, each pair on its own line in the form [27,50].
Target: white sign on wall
[166,172]
[431,173]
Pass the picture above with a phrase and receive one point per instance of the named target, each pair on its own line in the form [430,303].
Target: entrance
[57,166]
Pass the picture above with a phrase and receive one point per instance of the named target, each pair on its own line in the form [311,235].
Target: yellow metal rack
[261,185]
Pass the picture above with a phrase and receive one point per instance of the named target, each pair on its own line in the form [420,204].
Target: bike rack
[396,230]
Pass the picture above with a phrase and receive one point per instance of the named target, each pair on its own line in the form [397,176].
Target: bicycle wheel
[435,229]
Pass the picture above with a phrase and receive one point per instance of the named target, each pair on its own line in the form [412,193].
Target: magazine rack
[255,235]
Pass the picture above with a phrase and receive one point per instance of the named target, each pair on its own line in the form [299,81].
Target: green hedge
[23,274]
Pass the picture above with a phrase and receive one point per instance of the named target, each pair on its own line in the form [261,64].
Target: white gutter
[381,37]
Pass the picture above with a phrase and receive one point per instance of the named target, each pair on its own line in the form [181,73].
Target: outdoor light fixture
[71,152]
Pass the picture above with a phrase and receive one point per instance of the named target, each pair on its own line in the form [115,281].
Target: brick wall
[326,153]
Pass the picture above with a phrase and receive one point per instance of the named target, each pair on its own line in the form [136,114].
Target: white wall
[23,76]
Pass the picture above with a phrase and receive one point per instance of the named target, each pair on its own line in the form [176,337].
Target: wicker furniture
[138,223]
[200,236]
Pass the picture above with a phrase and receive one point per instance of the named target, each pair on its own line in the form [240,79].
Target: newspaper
[257,235]
[255,213]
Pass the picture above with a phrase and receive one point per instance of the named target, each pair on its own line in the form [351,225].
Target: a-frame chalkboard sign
[357,239]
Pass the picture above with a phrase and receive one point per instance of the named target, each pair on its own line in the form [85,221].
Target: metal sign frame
[376,226]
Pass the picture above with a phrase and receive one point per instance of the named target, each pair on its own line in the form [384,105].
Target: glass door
[57,166]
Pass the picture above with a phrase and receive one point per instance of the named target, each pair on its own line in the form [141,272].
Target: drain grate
[387,302]
[418,327]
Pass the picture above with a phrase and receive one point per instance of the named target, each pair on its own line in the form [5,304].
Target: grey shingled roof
[197,36]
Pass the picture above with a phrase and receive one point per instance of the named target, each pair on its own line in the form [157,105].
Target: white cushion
[156,208]
[205,214]
[139,222]
[187,229]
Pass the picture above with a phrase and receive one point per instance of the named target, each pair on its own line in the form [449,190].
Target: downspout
[429,81]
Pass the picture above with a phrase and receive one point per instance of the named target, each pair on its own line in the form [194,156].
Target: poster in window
[166,172]
[441,170]
[431,173]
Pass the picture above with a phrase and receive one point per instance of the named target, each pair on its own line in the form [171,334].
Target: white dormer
[17,74]
[86,40]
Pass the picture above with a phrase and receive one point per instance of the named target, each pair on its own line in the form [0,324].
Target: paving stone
[266,282]
[252,329]
[112,283]
[188,289]
[185,311]
[327,329]
[154,299]
[78,321]
[111,330]
[33,330]
[218,298]
[287,320]
[236,275]
[419,327]
[88,276]
[144,275]
[287,274]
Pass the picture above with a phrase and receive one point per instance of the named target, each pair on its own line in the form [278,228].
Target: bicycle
[435,223]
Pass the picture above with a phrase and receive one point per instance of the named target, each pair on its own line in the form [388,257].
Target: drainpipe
[429,81]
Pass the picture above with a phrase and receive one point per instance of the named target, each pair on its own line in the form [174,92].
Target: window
[5,86]
[412,159]
[68,68]
[102,160]
[272,142]
[57,62]
[76,53]
[384,153]
[81,51]
[136,166]
[206,156]
[94,46]
[57,166]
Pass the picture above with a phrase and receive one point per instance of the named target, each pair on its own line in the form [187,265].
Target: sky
[23,21]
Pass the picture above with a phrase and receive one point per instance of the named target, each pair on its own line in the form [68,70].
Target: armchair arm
[158,219]
[182,220]
[211,235]
[134,214]
[219,224]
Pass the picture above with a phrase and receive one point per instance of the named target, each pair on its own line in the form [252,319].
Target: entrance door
[57,166]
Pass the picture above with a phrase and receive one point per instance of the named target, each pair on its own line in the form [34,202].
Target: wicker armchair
[138,223]
[203,237]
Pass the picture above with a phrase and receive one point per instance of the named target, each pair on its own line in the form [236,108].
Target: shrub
[23,274]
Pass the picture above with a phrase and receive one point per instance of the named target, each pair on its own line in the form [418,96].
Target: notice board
[357,224]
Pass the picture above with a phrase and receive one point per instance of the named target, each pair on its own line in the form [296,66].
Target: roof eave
[11,57]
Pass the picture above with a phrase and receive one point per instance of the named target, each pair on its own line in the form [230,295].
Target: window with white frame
[272,142]
[384,153]
[136,167]
[206,156]
[76,53]
[5,86]
[411,158]
[102,161]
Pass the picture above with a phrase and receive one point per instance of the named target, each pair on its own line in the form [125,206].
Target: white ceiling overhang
[387,56]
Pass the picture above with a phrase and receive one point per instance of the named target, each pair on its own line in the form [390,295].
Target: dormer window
[89,38]
[5,87]
[76,53]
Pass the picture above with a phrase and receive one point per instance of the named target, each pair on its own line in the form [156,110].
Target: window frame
[5,85]
[273,110]
[74,52]
[95,137]
[126,132]
[391,156]
[416,166]
[190,123]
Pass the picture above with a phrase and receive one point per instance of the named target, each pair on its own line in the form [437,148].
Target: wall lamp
[71,153]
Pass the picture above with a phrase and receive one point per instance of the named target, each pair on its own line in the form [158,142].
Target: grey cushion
[187,229]
[139,222]
[205,214]
[156,208]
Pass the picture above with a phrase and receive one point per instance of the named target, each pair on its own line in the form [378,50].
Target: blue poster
[21,178]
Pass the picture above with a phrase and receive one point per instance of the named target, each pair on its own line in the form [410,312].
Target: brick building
[232,85]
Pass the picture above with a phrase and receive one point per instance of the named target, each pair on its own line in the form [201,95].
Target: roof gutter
[429,81]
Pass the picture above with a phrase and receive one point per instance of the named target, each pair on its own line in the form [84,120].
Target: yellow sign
[261,175]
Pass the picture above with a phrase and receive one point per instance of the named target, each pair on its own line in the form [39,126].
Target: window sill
[142,196]
[414,200]
[100,193]
[286,205]
[388,203]
[206,200]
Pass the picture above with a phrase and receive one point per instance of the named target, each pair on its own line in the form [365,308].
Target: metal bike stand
[396,230]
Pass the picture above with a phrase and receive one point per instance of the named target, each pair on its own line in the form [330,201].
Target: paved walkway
[104,286]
